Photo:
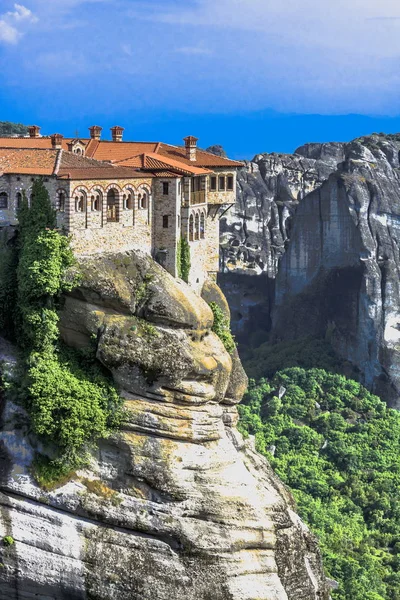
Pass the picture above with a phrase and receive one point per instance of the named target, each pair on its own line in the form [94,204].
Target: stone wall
[166,237]
[13,184]
[90,230]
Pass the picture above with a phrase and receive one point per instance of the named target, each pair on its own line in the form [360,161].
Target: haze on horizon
[253,75]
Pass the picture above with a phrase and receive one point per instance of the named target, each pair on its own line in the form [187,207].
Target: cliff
[320,228]
[340,274]
[177,504]
[256,232]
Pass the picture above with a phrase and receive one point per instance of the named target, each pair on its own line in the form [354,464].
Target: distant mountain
[9,129]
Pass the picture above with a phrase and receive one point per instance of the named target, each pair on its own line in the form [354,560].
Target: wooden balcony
[197,197]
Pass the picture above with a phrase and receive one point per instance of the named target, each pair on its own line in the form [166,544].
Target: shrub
[183,259]
[8,540]
[222,328]
[70,399]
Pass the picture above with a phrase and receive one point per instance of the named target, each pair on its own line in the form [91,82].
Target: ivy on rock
[70,399]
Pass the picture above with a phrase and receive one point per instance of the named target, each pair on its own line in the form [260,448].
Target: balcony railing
[198,197]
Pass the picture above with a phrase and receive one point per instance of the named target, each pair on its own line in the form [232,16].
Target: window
[221,183]
[142,200]
[229,185]
[196,184]
[128,201]
[61,201]
[202,226]
[213,184]
[165,188]
[197,227]
[112,206]
[19,199]
[191,228]
[165,220]
[80,204]
[3,200]
[96,202]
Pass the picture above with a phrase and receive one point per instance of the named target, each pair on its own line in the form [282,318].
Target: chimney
[95,132]
[191,147]
[117,133]
[56,141]
[34,131]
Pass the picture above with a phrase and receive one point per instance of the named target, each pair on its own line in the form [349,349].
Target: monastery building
[116,195]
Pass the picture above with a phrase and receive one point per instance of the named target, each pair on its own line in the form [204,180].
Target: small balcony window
[221,183]
[229,185]
[213,184]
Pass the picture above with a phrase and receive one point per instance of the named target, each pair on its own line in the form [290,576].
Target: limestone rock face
[176,505]
[256,231]
[340,274]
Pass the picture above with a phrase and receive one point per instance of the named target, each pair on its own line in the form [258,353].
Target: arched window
[142,200]
[191,228]
[202,226]
[129,200]
[197,227]
[19,199]
[95,201]
[61,196]
[112,206]
[78,151]
[3,200]
[80,202]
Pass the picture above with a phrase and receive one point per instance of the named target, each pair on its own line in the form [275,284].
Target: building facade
[115,195]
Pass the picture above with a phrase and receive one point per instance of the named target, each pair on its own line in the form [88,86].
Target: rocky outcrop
[256,231]
[340,274]
[176,505]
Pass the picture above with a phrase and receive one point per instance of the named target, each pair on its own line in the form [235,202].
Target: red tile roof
[117,152]
[155,162]
[27,161]
[40,161]
[203,158]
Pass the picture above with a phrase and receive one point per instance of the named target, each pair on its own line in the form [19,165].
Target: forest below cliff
[336,446]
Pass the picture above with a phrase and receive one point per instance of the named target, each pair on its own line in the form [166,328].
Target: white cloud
[22,13]
[8,34]
[21,16]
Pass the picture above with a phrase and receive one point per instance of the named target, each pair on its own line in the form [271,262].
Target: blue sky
[253,75]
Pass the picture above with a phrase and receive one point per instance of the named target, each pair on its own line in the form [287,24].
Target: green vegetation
[70,399]
[222,328]
[337,446]
[8,285]
[8,128]
[8,540]
[183,259]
